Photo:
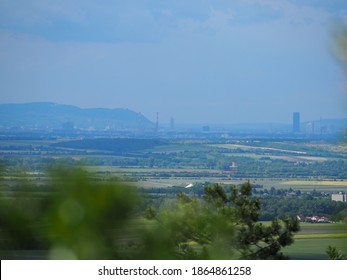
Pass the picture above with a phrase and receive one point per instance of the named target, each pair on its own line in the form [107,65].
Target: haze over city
[197,61]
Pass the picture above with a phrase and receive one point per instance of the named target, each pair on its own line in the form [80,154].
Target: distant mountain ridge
[43,115]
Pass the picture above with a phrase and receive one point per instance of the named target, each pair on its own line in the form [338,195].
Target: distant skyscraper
[157,123]
[296,122]
[172,123]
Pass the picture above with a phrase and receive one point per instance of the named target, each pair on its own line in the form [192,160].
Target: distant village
[342,197]
[313,219]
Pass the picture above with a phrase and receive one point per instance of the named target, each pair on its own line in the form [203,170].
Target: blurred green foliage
[85,218]
[76,219]
[334,254]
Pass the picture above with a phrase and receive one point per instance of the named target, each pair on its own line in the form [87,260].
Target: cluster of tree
[281,206]
[277,203]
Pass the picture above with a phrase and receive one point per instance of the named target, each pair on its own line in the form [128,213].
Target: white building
[339,197]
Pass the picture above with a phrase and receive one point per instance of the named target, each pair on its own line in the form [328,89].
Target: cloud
[299,15]
[147,21]
[21,13]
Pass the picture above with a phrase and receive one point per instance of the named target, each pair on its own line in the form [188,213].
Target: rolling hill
[44,115]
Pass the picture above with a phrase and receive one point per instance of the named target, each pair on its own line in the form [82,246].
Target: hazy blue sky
[202,61]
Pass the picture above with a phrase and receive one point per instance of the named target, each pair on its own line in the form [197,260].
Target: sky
[207,61]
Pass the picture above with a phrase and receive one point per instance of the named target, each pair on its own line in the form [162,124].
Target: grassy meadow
[313,240]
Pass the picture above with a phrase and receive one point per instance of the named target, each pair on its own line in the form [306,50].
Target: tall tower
[157,123]
[172,123]
[296,122]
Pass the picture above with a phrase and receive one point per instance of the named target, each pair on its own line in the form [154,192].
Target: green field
[309,185]
[178,176]
[313,240]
